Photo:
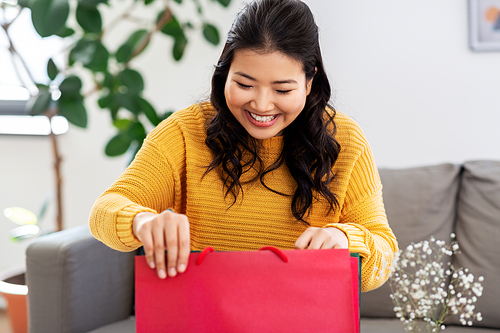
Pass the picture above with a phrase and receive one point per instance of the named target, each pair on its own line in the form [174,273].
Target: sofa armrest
[76,284]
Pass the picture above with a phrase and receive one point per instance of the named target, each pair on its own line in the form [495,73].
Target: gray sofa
[77,284]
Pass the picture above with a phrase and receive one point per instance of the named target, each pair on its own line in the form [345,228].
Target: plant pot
[14,289]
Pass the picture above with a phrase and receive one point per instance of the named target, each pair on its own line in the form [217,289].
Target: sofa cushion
[420,202]
[383,325]
[478,233]
[122,326]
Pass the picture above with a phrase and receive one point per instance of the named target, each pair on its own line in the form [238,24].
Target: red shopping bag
[254,291]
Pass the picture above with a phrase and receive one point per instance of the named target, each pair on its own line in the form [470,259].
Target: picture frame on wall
[484,25]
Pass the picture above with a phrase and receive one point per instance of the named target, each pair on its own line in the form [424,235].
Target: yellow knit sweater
[167,173]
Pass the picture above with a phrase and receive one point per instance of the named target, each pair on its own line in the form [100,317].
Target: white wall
[402,69]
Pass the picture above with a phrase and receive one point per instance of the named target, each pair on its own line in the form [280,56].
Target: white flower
[477,290]
[419,286]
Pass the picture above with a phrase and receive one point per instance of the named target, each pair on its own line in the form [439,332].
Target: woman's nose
[262,102]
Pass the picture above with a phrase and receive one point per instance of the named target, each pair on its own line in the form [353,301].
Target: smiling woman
[266,162]
[265,92]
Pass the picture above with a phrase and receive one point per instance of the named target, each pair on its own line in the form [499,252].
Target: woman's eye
[283,91]
[244,86]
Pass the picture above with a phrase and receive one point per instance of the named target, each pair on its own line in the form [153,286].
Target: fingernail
[172,272]
[182,268]
[162,274]
[152,264]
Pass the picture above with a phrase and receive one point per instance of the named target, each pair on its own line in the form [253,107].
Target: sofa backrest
[478,234]
[420,202]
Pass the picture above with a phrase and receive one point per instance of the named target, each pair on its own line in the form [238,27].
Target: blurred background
[402,69]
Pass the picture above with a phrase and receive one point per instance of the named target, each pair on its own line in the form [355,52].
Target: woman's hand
[322,238]
[166,231]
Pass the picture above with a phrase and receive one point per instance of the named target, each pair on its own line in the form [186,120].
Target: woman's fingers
[166,231]
[184,245]
[303,241]
[159,245]
[172,238]
[147,242]
[322,238]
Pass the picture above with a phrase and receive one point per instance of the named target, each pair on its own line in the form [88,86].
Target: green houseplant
[91,60]
[89,55]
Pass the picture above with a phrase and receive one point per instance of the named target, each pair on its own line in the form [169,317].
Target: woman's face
[265,92]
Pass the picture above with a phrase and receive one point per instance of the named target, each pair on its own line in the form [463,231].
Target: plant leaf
[117,145]
[124,53]
[105,101]
[172,27]
[136,131]
[148,2]
[65,32]
[179,47]
[42,103]
[224,3]
[49,16]
[108,81]
[149,111]
[100,58]
[24,3]
[132,80]
[122,124]
[70,87]
[24,232]
[91,53]
[20,215]
[91,3]
[89,19]
[73,110]
[128,101]
[52,70]
[211,33]
[46,202]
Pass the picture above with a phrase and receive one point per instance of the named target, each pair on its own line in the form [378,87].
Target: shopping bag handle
[273,249]
[203,254]
[277,251]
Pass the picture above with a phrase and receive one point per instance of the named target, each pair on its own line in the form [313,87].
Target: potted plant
[12,281]
[107,71]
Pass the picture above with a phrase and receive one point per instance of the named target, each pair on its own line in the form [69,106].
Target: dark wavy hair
[309,149]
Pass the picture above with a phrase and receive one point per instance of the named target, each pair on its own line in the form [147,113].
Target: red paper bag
[254,291]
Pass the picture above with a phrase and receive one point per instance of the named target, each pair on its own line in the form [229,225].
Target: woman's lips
[262,121]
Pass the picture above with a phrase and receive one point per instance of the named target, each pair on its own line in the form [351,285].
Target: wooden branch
[14,53]
[167,16]
[57,170]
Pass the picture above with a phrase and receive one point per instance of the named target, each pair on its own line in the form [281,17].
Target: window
[16,84]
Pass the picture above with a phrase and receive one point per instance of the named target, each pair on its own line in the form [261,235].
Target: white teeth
[264,119]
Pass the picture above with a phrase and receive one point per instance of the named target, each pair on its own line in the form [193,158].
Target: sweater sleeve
[364,221]
[150,184]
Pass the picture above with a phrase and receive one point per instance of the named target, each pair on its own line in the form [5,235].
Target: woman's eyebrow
[274,82]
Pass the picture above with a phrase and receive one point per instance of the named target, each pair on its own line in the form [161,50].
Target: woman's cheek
[238,97]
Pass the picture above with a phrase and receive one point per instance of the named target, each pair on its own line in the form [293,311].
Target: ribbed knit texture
[167,173]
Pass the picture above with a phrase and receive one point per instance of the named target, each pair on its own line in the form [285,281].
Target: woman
[265,162]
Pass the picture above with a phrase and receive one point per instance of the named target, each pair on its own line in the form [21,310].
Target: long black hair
[309,147]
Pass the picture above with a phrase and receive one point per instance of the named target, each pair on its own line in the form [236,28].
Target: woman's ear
[309,83]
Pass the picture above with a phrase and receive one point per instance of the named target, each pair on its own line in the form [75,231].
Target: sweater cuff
[355,236]
[124,225]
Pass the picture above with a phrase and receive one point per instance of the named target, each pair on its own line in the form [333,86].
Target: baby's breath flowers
[426,289]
